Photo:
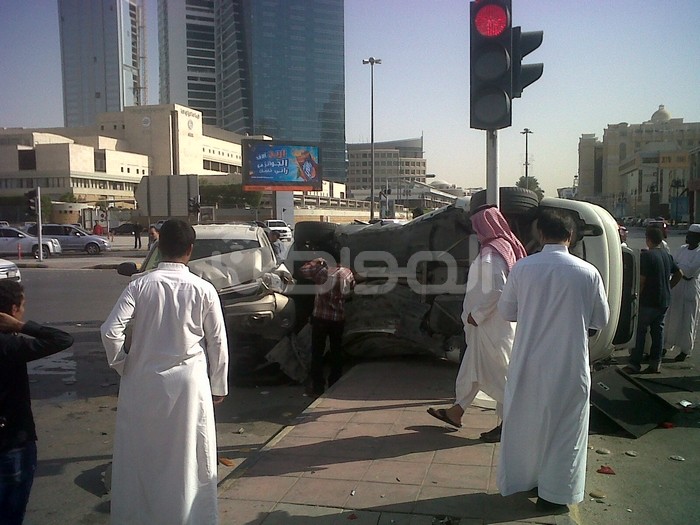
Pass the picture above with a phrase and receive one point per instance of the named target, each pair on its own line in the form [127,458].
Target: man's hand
[9,324]
[218,399]
[471,320]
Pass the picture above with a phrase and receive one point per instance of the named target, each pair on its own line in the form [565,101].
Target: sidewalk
[368,452]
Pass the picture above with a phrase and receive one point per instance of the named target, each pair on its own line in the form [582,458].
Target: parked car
[661,224]
[14,241]
[9,270]
[123,229]
[413,276]
[73,238]
[239,261]
[280,227]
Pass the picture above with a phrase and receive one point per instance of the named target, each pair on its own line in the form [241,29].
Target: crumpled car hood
[231,269]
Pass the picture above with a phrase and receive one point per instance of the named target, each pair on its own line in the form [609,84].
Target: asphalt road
[75,394]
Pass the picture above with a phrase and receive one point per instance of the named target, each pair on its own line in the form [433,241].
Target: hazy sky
[605,62]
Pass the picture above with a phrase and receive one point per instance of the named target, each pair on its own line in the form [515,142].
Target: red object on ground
[667,424]
[605,470]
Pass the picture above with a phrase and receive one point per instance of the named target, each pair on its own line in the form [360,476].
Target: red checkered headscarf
[493,232]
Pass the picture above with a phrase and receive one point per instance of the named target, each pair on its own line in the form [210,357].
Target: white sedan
[9,270]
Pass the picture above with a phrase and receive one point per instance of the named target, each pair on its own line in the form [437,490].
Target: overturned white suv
[413,276]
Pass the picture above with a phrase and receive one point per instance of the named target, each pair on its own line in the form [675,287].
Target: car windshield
[276,224]
[210,247]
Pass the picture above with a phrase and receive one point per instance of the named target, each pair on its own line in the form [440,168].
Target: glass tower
[281,72]
[102,58]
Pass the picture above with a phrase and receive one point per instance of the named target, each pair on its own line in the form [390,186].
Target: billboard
[280,166]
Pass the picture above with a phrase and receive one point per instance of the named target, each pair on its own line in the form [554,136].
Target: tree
[228,195]
[531,184]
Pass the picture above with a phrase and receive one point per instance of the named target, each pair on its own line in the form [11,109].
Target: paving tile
[357,517]
[330,468]
[291,514]
[260,488]
[458,476]
[319,429]
[243,512]
[473,453]
[329,492]
[280,465]
[450,502]
[392,471]
[386,416]
[377,496]
[329,415]
[353,430]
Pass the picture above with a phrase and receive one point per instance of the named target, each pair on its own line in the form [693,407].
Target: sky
[605,62]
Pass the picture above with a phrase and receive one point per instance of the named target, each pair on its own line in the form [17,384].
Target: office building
[277,68]
[187,63]
[102,57]
[640,170]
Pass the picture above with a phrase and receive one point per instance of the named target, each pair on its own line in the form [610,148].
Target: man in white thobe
[173,372]
[682,315]
[556,299]
[489,337]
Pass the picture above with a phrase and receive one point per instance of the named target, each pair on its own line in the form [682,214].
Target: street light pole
[371,61]
[526,132]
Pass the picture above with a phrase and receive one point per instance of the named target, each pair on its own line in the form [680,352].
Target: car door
[55,231]
[6,242]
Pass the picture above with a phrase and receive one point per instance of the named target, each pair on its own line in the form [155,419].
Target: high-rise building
[279,67]
[187,66]
[102,57]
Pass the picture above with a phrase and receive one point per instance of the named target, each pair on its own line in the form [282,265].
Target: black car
[123,229]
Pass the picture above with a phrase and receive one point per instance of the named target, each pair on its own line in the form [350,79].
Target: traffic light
[490,64]
[525,43]
[31,202]
[193,205]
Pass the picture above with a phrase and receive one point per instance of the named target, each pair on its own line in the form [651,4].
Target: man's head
[175,240]
[274,236]
[692,238]
[153,231]
[555,227]
[654,236]
[12,299]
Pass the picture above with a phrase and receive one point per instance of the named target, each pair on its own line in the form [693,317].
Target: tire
[44,252]
[92,249]
[314,232]
[513,201]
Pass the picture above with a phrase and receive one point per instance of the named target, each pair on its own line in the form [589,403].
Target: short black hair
[555,226]
[655,235]
[176,236]
[11,294]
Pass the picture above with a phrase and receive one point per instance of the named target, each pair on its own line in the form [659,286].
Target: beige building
[639,169]
[107,161]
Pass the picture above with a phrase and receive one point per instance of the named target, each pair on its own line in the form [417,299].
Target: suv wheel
[513,200]
[44,252]
[92,249]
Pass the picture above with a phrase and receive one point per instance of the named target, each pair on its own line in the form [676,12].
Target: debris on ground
[605,469]
[227,462]
[677,458]
[597,494]
[631,453]
[603,451]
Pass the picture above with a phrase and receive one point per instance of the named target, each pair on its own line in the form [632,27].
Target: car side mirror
[127,269]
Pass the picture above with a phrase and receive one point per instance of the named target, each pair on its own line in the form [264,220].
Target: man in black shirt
[17,430]
[658,274]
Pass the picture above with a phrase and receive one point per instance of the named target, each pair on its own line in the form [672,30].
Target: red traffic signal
[490,64]
[491,20]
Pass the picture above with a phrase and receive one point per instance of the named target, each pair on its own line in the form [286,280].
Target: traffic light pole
[492,196]
[38,223]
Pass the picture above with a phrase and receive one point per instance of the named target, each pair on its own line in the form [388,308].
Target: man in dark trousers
[333,286]
[18,457]
[658,274]
[137,236]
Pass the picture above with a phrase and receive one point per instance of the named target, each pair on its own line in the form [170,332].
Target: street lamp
[371,61]
[526,132]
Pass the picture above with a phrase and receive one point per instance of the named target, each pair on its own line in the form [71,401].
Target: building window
[26,159]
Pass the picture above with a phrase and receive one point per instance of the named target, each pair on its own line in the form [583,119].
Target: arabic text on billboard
[281,167]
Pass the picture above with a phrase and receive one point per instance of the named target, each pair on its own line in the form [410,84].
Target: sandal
[441,414]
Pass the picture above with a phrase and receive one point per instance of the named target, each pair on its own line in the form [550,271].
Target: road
[75,395]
